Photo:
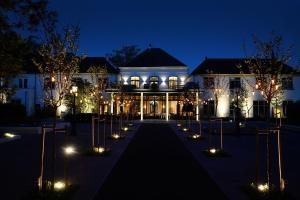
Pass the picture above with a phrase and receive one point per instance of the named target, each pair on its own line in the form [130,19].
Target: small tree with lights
[58,63]
[269,67]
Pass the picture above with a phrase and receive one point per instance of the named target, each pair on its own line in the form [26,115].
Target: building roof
[97,61]
[228,66]
[154,57]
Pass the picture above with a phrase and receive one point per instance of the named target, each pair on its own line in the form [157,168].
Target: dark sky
[187,29]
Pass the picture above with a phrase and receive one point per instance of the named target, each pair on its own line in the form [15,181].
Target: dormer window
[135,81]
[173,81]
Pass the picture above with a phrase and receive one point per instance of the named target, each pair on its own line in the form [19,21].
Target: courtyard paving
[156,165]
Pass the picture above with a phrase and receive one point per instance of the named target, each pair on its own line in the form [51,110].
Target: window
[23,83]
[153,81]
[209,82]
[172,82]
[285,107]
[287,83]
[259,109]
[135,81]
[20,83]
[235,83]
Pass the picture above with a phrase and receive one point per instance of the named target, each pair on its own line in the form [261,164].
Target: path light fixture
[9,135]
[59,186]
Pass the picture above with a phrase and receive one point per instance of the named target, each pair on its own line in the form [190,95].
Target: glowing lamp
[263,187]
[115,136]
[178,125]
[59,185]
[69,150]
[185,129]
[212,151]
[9,135]
[125,128]
[196,136]
[99,149]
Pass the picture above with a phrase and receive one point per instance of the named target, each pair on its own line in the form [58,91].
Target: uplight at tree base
[115,136]
[212,150]
[59,186]
[99,150]
[9,135]
[185,129]
[196,136]
[263,187]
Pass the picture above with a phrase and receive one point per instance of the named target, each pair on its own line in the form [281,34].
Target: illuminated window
[135,81]
[209,82]
[172,82]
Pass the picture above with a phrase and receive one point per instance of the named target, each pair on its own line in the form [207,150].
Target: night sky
[187,29]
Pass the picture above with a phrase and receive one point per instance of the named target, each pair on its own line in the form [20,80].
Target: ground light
[185,129]
[195,136]
[263,187]
[178,125]
[212,151]
[69,150]
[99,150]
[9,135]
[125,128]
[59,186]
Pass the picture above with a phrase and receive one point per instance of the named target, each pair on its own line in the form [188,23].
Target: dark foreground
[156,165]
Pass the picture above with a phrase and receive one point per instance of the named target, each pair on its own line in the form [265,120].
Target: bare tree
[58,63]
[99,77]
[269,67]
[215,86]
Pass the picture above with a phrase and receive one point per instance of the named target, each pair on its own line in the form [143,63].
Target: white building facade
[154,84]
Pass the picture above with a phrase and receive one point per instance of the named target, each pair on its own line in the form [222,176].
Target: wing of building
[155,84]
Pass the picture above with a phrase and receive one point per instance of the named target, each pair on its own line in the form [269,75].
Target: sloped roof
[228,66]
[154,57]
[97,61]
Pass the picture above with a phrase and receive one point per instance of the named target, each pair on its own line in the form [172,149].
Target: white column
[112,103]
[197,106]
[167,106]
[142,106]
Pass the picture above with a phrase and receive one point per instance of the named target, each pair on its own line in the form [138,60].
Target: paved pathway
[156,165]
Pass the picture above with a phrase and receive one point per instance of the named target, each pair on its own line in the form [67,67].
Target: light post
[73,91]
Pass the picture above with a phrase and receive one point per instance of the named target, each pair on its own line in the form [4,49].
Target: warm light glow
[253,93]
[59,185]
[182,80]
[195,136]
[276,87]
[125,79]
[263,188]
[262,92]
[179,125]
[99,149]
[272,81]
[125,128]
[74,89]
[9,135]
[115,136]
[52,79]
[213,150]
[185,129]
[256,86]
[69,150]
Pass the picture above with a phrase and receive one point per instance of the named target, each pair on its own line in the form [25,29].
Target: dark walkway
[156,165]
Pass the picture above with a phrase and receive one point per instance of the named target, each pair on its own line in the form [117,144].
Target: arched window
[135,81]
[173,80]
